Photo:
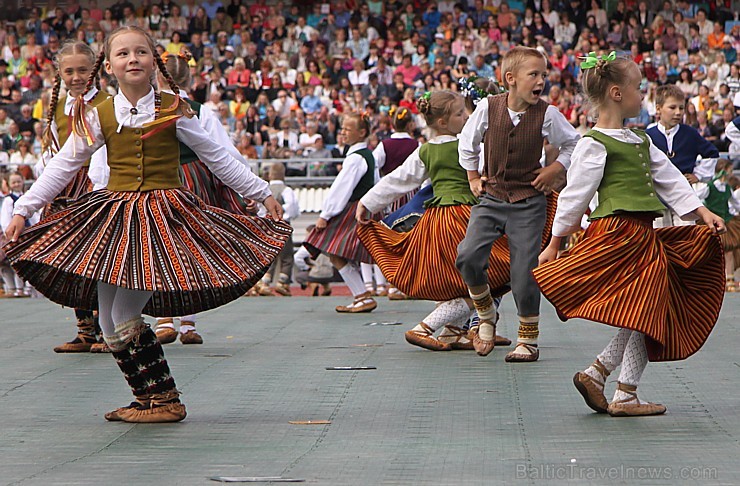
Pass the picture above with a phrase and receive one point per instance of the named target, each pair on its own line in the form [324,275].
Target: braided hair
[79,110]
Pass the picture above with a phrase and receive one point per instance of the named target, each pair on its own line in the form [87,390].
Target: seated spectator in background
[26,121]
[308,139]
[310,103]
[358,76]
[23,160]
[409,72]
[239,75]
[11,139]
[481,68]
[5,122]
[287,140]
[373,91]
[246,148]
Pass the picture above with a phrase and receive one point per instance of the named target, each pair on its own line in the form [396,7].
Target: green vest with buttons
[138,161]
[627,185]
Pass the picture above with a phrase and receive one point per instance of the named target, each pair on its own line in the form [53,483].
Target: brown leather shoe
[592,391]
[81,344]
[483,347]
[155,413]
[515,357]
[165,334]
[425,339]
[395,294]
[456,337]
[191,337]
[362,303]
[631,406]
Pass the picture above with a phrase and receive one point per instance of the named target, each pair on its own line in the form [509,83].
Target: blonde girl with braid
[662,288]
[74,62]
[144,244]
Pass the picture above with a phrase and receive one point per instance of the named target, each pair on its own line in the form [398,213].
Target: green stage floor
[420,418]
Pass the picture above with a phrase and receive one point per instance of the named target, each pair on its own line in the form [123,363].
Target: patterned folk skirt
[192,256]
[80,185]
[421,262]
[198,179]
[666,283]
[339,238]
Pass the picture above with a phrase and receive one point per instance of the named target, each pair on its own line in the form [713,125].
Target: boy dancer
[513,126]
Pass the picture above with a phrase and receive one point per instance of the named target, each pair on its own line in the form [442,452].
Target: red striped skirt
[421,262]
[666,283]
[731,239]
[198,179]
[192,256]
[339,238]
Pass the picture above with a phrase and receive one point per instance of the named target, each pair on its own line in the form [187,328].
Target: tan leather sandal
[591,390]
[631,406]
[515,357]
[362,303]
[456,337]
[425,339]
[483,347]
[165,331]
[161,408]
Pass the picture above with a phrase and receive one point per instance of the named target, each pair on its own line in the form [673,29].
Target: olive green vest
[186,153]
[64,122]
[627,185]
[717,201]
[449,179]
[368,180]
[141,159]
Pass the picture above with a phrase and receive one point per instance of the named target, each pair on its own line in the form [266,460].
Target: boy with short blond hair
[512,188]
[681,143]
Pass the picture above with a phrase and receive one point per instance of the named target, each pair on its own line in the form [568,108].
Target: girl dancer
[421,263]
[663,288]
[334,233]
[143,244]
[74,63]
[718,196]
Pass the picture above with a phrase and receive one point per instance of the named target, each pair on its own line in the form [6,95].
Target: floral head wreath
[469,89]
[591,60]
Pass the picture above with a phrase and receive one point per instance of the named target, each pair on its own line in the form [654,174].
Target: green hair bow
[427,95]
[592,59]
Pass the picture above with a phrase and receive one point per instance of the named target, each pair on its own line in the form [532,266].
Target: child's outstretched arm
[469,147]
[403,180]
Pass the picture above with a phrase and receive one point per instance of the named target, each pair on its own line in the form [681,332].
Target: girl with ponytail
[144,244]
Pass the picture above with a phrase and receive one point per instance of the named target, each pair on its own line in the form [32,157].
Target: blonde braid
[47,139]
[78,111]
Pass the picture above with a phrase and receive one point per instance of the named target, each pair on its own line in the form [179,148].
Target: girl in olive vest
[718,195]
[421,262]
[74,62]
[335,230]
[662,288]
[144,244]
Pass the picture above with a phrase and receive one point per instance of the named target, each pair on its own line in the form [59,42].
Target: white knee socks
[353,279]
[611,356]
[634,361]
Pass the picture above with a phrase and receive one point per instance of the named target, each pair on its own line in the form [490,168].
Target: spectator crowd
[280,75]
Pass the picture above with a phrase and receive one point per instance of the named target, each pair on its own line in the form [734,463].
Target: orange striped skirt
[666,283]
[421,262]
[731,238]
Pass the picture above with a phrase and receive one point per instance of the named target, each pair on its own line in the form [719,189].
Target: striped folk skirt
[731,239]
[666,283]
[421,262]
[198,179]
[80,185]
[339,238]
[192,256]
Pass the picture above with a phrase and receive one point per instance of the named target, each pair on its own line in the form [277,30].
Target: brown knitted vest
[512,153]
